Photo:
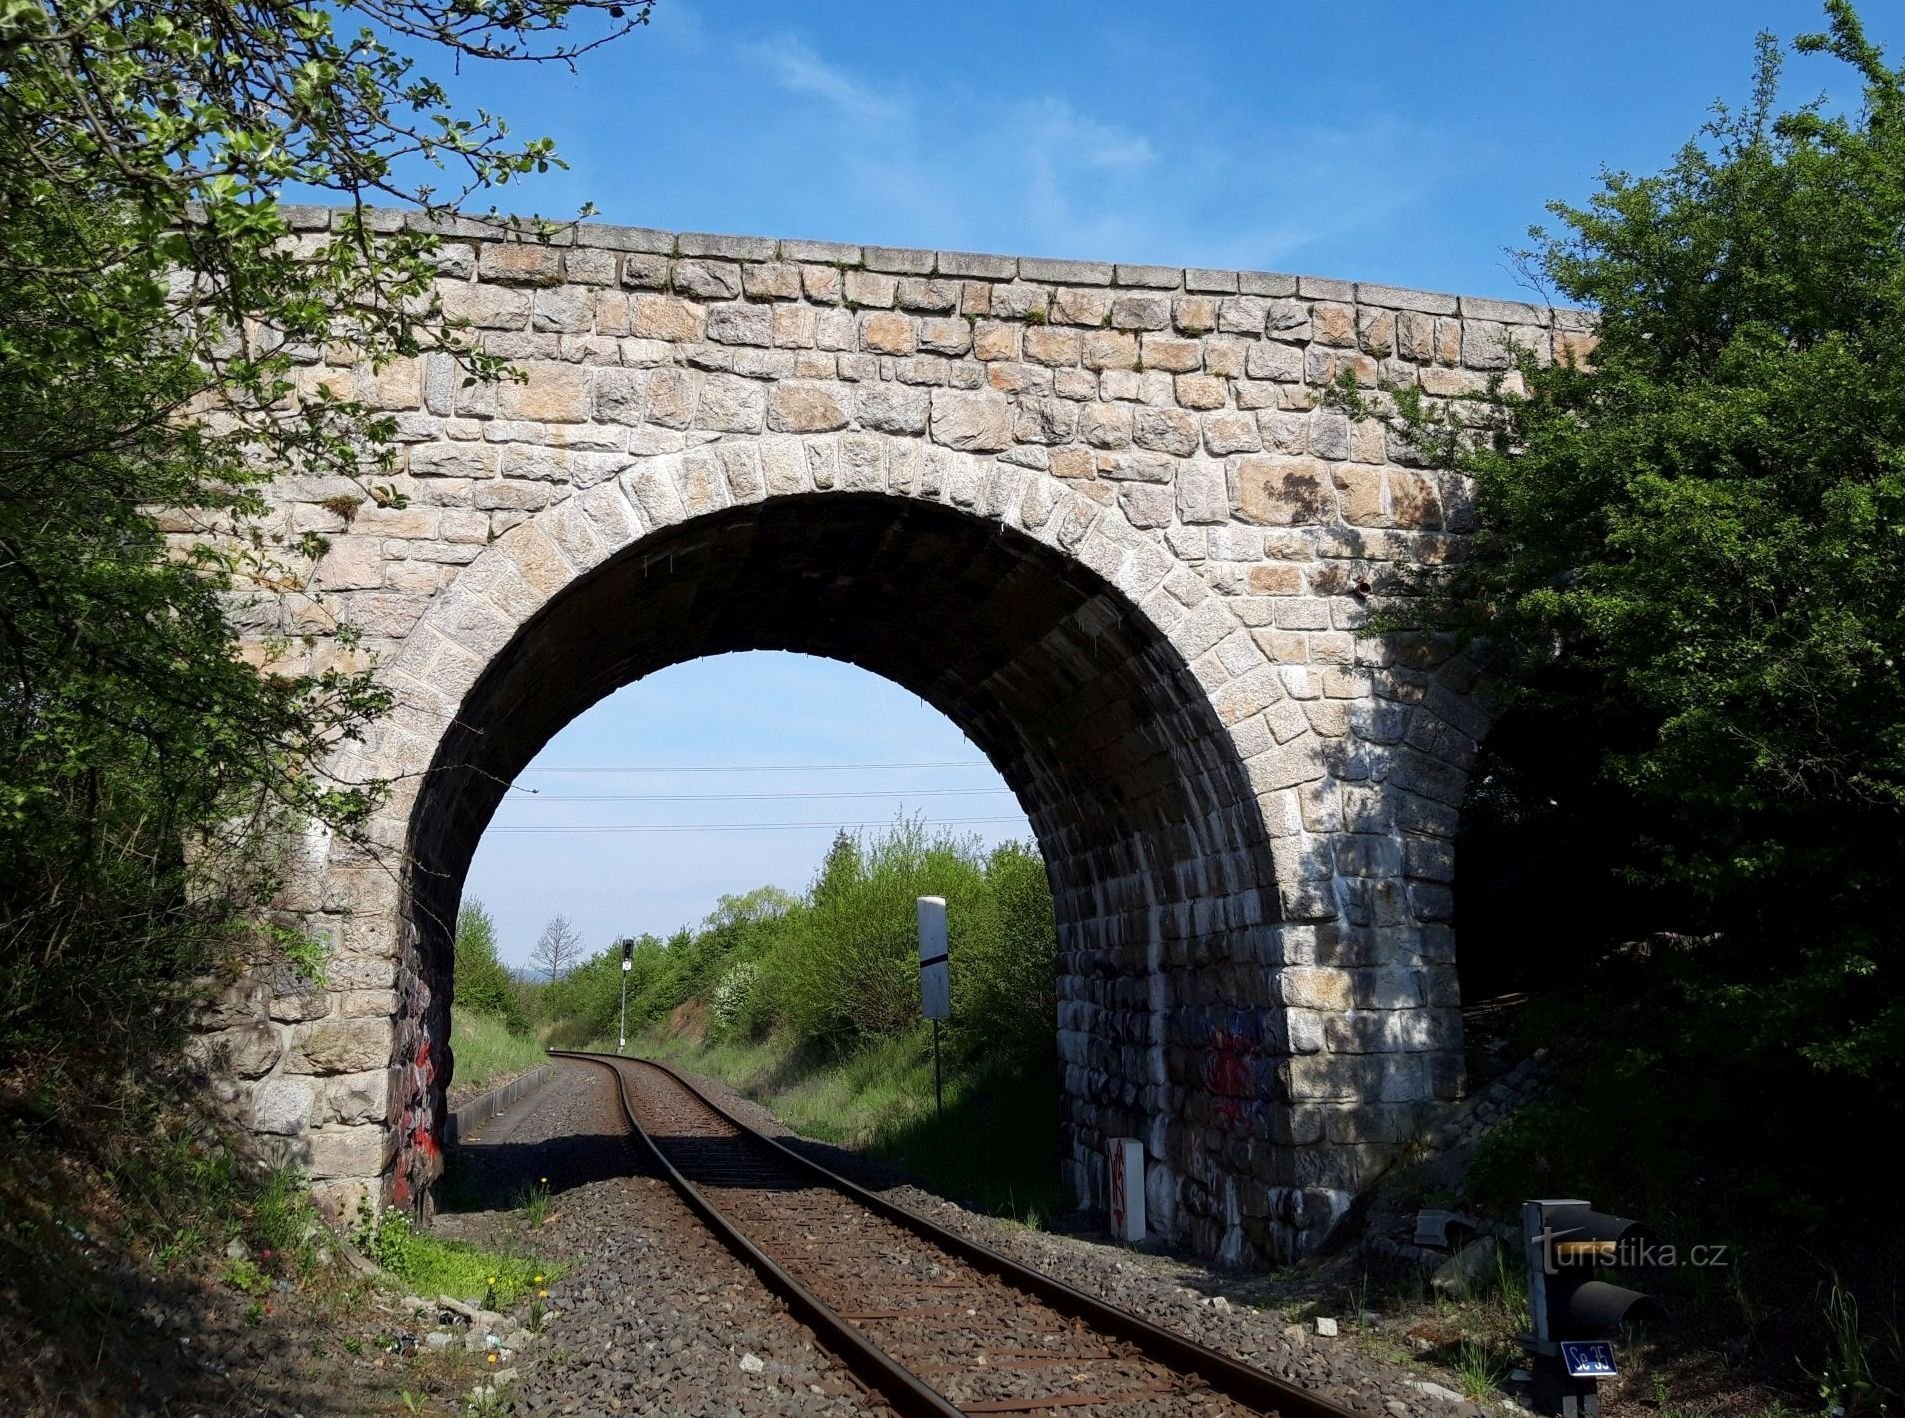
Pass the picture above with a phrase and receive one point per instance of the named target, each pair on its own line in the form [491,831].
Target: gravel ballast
[655,1316]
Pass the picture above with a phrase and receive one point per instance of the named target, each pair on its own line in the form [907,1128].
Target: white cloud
[801,71]
[1045,174]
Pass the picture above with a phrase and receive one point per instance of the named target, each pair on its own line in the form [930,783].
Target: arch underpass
[1152,835]
[1093,514]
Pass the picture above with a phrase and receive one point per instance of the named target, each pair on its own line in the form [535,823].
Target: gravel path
[653,1315]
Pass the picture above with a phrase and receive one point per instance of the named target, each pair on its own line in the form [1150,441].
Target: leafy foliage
[168,344]
[839,968]
[482,981]
[1685,580]
[1690,546]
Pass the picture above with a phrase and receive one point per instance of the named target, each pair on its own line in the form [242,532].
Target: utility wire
[773,767]
[760,797]
[830,824]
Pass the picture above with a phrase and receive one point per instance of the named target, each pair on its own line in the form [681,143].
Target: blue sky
[1409,144]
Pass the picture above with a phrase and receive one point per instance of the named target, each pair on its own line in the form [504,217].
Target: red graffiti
[1229,1075]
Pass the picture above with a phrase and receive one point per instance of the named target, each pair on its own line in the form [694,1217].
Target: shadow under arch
[1155,845]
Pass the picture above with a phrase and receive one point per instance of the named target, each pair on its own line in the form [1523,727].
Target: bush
[840,967]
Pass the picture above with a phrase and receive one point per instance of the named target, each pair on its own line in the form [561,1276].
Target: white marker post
[1124,1157]
[935,990]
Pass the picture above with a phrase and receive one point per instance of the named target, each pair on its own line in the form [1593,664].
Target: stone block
[349,1151]
[887,332]
[341,1046]
[1147,504]
[741,325]
[520,263]
[1109,349]
[1049,345]
[550,393]
[1071,273]
[972,422]
[246,1051]
[730,404]
[282,1106]
[1201,391]
[805,408]
[1141,312]
[1165,431]
[708,280]
[355,1097]
[1280,491]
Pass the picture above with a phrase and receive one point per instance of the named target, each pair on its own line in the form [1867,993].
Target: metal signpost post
[628,963]
[935,993]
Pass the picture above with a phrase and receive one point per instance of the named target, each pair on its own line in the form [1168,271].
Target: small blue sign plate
[1588,1358]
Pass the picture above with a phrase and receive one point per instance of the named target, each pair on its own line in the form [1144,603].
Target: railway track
[935,1324]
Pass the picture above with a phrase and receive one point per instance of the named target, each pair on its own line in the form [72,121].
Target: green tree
[482,981]
[1685,581]
[172,337]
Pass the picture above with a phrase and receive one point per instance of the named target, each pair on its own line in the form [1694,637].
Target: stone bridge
[1092,512]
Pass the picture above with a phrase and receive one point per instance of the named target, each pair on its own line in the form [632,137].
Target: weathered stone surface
[340,1046]
[282,1106]
[804,408]
[244,1052]
[1281,491]
[974,422]
[355,1097]
[346,1152]
[1117,482]
[892,408]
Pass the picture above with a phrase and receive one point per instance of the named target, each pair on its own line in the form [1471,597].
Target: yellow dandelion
[492,1358]
[542,1294]
[492,1280]
[539,1280]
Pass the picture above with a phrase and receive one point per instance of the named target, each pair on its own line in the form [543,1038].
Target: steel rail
[1249,1386]
[898,1385]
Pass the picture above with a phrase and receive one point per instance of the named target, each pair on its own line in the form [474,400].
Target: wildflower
[542,1294]
[492,1280]
[539,1280]
[492,1358]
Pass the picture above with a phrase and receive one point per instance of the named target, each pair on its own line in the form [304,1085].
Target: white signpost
[1124,1157]
[935,989]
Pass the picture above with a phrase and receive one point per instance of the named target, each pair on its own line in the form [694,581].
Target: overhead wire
[748,826]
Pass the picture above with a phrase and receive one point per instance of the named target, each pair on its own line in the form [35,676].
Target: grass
[486,1050]
[1480,1370]
[432,1265]
[533,1202]
[996,1144]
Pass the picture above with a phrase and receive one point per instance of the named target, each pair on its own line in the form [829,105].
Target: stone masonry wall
[1257,980]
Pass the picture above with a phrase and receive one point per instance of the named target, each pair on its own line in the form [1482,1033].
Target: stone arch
[1122,701]
[1152,433]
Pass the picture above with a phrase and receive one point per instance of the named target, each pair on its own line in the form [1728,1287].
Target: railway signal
[628,964]
[1574,1315]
